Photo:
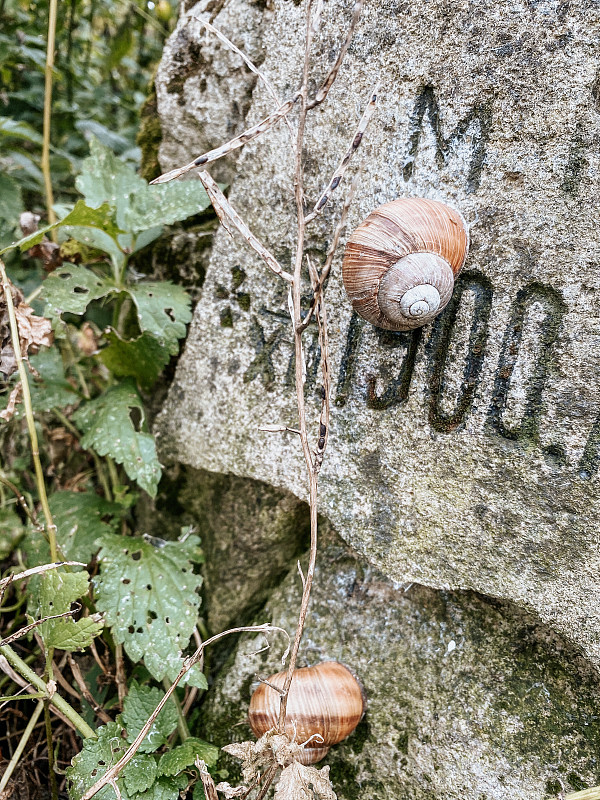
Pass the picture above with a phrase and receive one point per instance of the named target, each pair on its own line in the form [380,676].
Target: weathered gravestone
[464,455]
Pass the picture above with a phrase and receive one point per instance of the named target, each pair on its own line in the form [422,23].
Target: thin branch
[230,45]
[38,570]
[227,214]
[35,451]
[333,73]
[83,688]
[111,774]
[21,746]
[319,285]
[343,165]
[20,500]
[24,631]
[278,429]
[48,75]
[245,137]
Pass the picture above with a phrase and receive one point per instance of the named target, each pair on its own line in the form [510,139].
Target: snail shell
[400,263]
[326,700]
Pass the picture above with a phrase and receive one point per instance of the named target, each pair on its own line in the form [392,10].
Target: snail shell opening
[415,289]
[401,261]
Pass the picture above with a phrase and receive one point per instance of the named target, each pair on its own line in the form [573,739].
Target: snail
[400,263]
[325,701]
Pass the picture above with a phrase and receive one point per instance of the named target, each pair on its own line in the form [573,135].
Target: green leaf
[81,215]
[96,757]
[142,358]
[51,389]
[79,520]
[163,310]
[166,203]
[137,708]
[149,596]
[179,758]
[109,430]
[165,789]
[70,289]
[56,591]
[19,130]
[11,206]
[140,773]
[11,531]
[105,178]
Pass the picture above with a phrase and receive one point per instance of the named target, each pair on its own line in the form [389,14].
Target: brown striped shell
[400,263]
[324,700]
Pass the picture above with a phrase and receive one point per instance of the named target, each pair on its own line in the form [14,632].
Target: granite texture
[464,456]
[467,699]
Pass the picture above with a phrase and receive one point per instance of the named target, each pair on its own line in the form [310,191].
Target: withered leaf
[34,331]
[231,791]
[301,782]
[14,398]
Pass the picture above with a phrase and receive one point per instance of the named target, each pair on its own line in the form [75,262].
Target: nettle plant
[103,339]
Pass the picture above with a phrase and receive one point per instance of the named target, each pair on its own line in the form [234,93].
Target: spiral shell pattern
[400,263]
[325,700]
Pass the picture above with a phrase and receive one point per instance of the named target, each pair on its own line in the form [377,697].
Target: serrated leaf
[81,215]
[179,758]
[70,289]
[149,596]
[140,773]
[56,591]
[142,358]
[105,178]
[109,430]
[137,708]
[96,757]
[165,789]
[79,518]
[163,311]
[166,203]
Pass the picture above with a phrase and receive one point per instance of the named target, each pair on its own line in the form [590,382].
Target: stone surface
[467,699]
[465,455]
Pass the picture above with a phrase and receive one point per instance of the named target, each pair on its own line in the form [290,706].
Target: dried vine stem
[112,774]
[313,458]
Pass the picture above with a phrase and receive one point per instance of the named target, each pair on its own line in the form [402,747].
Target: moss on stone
[150,136]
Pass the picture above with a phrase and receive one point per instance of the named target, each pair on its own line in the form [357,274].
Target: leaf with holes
[55,593]
[72,288]
[109,429]
[138,706]
[150,597]
[179,758]
[142,358]
[163,311]
[81,518]
[96,757]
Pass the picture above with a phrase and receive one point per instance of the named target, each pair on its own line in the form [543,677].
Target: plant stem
[34,679]
[48,723]
[21,746]
[184,731]
[52,13]
[35,452]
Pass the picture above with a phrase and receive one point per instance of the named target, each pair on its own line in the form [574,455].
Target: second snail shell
[400,263]
[325,704]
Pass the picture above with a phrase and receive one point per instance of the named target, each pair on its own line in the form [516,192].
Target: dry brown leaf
[48,251]
[34,332]
[231,791]
[87,341]
[14,398]
[301,782]
[207,782]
